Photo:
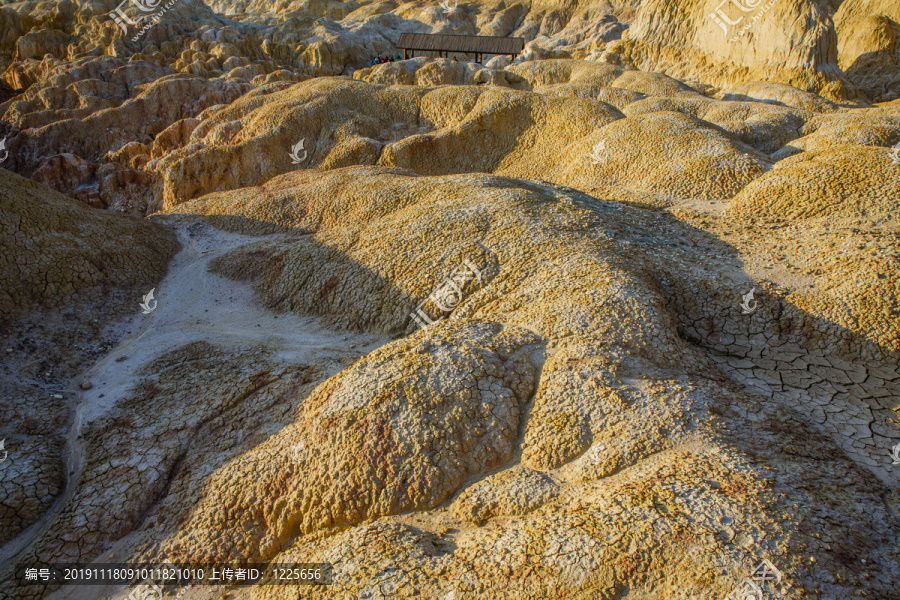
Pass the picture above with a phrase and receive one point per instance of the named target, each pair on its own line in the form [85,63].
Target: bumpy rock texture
[657,257]
[60,253]
[869,45]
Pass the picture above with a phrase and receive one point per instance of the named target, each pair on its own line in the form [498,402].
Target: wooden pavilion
[471,44]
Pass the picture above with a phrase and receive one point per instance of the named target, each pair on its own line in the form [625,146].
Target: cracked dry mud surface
[592,414]
[179,328]
[591,420]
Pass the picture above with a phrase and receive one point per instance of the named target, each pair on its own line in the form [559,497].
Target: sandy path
[194,304]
